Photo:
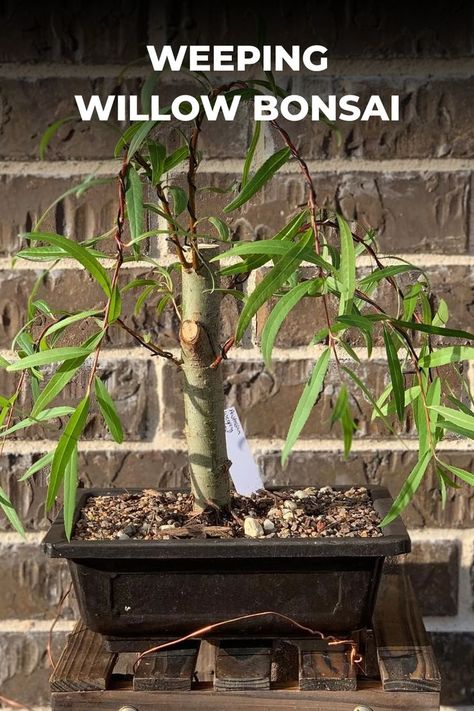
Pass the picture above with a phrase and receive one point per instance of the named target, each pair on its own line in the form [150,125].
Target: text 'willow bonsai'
[420,358]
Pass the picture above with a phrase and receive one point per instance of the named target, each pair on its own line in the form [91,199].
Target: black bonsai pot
[165,589]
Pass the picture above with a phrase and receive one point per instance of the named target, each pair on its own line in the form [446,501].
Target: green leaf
[376,404]
[455,421]
[115,308]
[306,402]
[180,200]
[272,249]
[77,252]
[134,200]
[386,273]
[408,489]
[277,317]
[348,429]
[70,488]
[221,227]
[251,152]
[251,263]
[271,282]
[441,317]
[347,269]
[38,465]
[461,473]
[395,374]
[433,330]
[63,452]
[51,132]
[157,159]
[68,320]
[108,410]
[43,416]
[175,158]
[138,137]
[50,356]
[411,394]
[7,507]
[63,375]
[450,354]
[263,174]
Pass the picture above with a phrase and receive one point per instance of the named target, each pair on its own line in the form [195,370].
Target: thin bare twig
[156,350]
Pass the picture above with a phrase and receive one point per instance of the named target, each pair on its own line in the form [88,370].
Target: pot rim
[394,541]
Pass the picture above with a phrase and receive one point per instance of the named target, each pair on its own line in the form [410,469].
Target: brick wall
[411,181]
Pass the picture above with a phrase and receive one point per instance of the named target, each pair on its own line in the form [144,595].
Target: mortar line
[260,446]
[167,258]
[109,167]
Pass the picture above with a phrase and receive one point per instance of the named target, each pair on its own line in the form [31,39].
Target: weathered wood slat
[168,670]
[278,700]
[84,665]
[242,668]
[405,656]
[324,667]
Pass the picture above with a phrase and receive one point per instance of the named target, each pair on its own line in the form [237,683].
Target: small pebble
[288,516]
[268,526]
[290,505]
[252,527]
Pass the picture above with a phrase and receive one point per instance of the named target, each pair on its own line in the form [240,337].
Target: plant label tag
[244,472]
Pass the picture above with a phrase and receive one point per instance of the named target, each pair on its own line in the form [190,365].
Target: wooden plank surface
[242,668]
[84,665]
[167,670]
[279,700]
[325,668]
[405,656]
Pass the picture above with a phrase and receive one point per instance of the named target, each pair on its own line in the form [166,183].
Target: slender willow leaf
[44,416]
[157,159]
[386,273]
[51,356]
[115,308]
[347,268]
[70,488]
[277,317]
[51,132]
[38,465]
[254,262]
[450,354]
[176,158]
[273,249]
[442,315]
[180,200]
[408,489]
[77,252]
[134,200]
[410,396]
[306,402]
[7,508]
[251,152]
[263,174]
[139,136]
[376,404]
[395,374]
[221,227]
[271,283]
[455,421]
[461,473]
[433,330]
[63,375]
[67,443]
[108,410]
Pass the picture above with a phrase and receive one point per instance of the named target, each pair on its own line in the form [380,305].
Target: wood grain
[277,700]
[405,656]
[168,670]
[325,668]
[242,668]
[84,665]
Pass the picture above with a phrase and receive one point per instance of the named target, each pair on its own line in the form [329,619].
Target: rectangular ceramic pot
[165,589]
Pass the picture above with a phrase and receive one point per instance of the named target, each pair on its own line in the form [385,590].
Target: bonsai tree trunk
[203,386]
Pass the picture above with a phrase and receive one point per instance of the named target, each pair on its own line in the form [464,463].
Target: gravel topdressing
[158,515]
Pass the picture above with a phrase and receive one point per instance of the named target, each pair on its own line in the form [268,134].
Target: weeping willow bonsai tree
[421,351]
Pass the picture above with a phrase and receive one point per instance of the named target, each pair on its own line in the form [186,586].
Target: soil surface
[303,513]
